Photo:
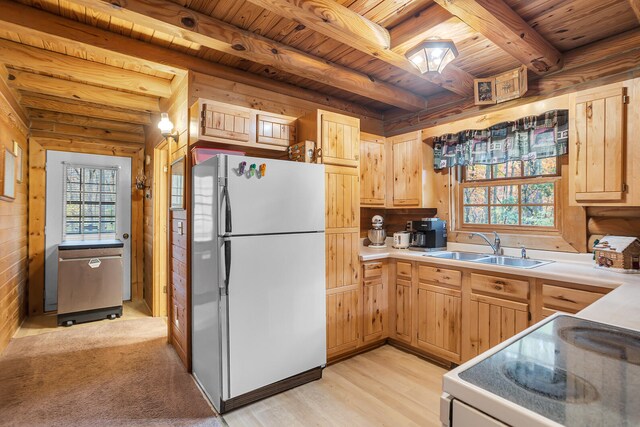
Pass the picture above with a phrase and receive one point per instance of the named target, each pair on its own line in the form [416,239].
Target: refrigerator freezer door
[288,198]
[276,309]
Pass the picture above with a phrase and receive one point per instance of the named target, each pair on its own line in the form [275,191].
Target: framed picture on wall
[7,174]
[17,150]
[178,168]
[484,91]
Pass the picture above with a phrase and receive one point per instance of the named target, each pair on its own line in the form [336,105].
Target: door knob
[125,236]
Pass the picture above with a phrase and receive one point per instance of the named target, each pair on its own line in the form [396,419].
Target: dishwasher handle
[90,258]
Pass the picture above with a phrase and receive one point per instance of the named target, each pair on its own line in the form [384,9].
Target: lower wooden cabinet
[374,297]
[565,297]
[402,303]
[343,324]
[493,320]
[439,320]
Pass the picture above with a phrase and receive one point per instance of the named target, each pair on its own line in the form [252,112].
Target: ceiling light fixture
[431,56]
[166,127]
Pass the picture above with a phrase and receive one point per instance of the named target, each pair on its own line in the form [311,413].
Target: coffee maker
[428,234]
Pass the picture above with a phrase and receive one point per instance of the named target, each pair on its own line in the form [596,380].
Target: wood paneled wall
[13,231]
[394,219]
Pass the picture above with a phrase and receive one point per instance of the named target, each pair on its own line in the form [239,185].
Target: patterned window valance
[529,138]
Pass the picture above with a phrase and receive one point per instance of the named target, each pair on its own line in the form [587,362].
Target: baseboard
[359,350]
[426,356]
[270,390]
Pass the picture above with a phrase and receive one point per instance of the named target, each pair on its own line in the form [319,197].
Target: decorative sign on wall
[7,174]
[501,88]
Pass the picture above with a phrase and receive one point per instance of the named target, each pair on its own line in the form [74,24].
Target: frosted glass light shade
[165,124]
[432,56]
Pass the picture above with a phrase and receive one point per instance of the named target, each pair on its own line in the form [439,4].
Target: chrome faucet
[497,248]
[523,252]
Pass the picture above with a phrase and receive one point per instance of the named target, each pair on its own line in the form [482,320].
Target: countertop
[619,307]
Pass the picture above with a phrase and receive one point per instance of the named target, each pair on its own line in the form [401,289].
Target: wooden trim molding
[37,207]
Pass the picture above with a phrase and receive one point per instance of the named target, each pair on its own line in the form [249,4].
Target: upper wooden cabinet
[240,127]
[598,147]
[373,170]
[392,171]
[338,137]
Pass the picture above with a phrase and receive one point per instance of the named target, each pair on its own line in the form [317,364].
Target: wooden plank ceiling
[349,50]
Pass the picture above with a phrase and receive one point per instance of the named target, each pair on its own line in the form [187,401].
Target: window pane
[108,188]
[476,172]
[507,215]
[539,167]
[476,196]
[92,188]
[91,227]
[72,228]
[542,216]
[508,170]
[504,195]
[73,174]
[109,176]
[538,193]
[91,210]
[73,197]
[73,186]
[72,209]
[92,176]
[108,210]
[475,215]
[108,198]
[108,227]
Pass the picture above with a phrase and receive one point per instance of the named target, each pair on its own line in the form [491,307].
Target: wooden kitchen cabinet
[408,163]
[597,157]
[373,170]
[402,303]
[337,135]
[275,130]
[374,296]
[565,297]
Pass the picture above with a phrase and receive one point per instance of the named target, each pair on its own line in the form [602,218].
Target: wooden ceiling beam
[44,61]
[495,20]
[53,141]
[635,6]
[79,91]
[47,103]
[85,121]
[413,30]
[85,132]
[12,97]
[184,23]
[335,21]
[81,37]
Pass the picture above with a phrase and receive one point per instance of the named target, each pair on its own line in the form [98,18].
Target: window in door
[518,194]
[89,203]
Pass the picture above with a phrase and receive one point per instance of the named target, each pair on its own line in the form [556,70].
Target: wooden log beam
[495,20]
[79,91]
[85,121]
[177,21]
[44,61]
[635,6]
[413,30]
[32,100]
[85,38]
[12,97]
[54,140]
[68,130]
[333,20]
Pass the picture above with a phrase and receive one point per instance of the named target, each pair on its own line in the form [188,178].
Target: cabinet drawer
[500,286]
[403,269]
[567,299]
[372,269]
[440,275]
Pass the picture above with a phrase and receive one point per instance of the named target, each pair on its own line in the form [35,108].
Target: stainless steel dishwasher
[89,281]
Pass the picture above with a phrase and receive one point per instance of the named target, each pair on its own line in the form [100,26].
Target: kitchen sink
[512,262]
[489,259]
[460,256]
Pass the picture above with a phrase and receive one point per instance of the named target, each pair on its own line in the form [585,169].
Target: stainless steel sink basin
[489,259]
[512,262]
[460,256]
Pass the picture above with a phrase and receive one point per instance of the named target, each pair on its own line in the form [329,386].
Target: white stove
[566,371]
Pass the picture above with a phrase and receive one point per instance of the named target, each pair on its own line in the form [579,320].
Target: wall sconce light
[431,56]
[166,127]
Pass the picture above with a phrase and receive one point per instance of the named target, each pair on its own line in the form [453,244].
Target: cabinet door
[225,123]
[597,162]
[439,319]
[372,171]
[342,203]
[403,330]
[493,320]
[342,321]
[273,130]
[340,139]
[375,310]
[407,170]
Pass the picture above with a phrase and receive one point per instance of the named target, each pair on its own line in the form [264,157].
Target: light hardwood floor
[45,323]
[384,387]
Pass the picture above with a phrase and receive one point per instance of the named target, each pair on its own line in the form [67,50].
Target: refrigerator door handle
[227,264]
[225,195]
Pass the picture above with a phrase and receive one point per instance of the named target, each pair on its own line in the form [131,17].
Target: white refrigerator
[258,277]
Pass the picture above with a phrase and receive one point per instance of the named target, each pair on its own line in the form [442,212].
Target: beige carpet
[108,373]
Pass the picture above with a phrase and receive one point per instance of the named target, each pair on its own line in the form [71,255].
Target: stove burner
[553,383]
[613,344]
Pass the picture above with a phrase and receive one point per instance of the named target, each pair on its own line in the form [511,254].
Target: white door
[288,198]
[72,179]
[276,309]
